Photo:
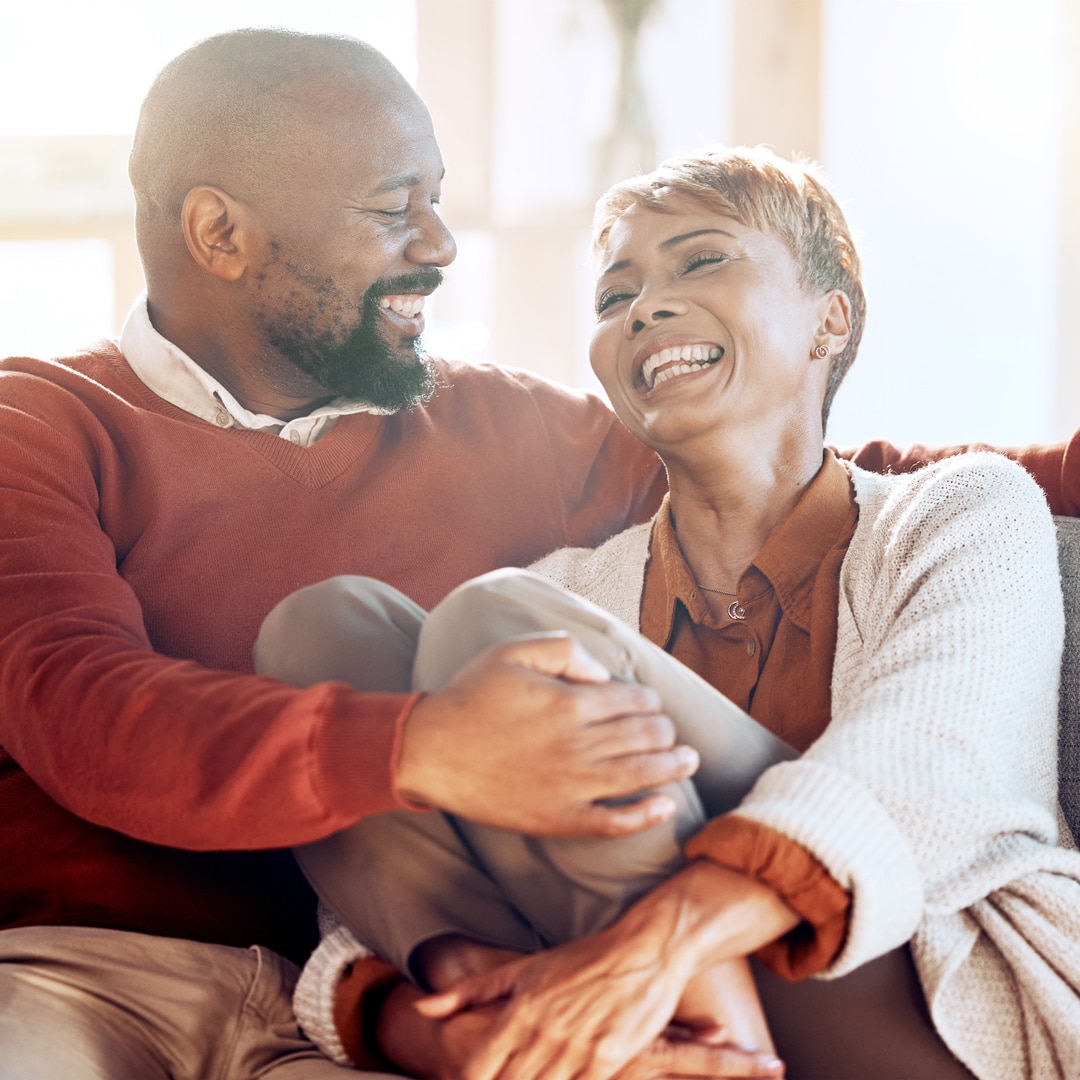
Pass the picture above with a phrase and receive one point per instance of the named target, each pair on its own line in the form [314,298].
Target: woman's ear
[834,321]
[216,230]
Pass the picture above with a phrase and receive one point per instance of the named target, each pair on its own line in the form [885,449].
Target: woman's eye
[609,299]
[697,261]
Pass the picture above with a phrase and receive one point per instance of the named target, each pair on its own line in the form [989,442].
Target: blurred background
[950,129]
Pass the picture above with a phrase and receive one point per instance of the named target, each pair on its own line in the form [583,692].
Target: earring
[821,351]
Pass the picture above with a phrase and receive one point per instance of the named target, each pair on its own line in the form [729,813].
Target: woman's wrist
[707,914]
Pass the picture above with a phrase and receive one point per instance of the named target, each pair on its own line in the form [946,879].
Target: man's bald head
[235,110]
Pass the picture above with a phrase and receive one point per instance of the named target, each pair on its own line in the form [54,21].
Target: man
[267,421]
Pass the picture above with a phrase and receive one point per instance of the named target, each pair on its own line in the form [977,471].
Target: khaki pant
[399,879]
[79,1003]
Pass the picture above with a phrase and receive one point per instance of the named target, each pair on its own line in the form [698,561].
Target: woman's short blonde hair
[764,191]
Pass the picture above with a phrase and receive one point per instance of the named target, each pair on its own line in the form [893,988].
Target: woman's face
[702,321]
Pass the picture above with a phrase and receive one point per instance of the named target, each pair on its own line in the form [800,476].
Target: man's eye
[609,299]
[393,215]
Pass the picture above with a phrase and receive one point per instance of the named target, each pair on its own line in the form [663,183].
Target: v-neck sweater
[147,776]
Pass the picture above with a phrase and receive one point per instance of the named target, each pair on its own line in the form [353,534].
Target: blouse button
[751,648]
[221,417]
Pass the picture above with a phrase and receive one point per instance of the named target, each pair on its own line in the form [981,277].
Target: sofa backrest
[1068,536]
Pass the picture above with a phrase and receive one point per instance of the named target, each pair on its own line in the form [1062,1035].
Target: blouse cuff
[797,877]
[329,1000]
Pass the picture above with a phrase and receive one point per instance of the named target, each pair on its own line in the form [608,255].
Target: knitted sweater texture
[147,776]
[931,796]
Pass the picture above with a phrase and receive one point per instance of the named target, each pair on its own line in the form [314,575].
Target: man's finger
[630,773]
[597,819]
[555,653]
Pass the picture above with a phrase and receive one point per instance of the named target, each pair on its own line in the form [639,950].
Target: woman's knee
[350,629]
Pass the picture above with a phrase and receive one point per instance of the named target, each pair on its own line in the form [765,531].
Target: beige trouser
[437,874]
[399,879]
[78,1003]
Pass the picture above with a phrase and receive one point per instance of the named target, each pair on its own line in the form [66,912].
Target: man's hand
[532,734]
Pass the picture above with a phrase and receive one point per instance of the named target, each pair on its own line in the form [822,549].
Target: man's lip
[408,305]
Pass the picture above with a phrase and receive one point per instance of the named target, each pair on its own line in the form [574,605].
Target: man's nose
[432,244]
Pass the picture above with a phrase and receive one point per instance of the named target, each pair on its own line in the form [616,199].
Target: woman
[904,633]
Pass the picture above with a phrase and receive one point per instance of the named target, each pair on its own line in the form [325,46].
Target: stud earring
[821,351]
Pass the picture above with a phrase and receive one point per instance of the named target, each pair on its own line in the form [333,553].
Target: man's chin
[402,382]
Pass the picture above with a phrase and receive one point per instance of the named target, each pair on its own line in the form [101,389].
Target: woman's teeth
[681,360]
[402,305]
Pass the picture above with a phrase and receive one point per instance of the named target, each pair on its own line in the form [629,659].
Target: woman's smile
[673,361]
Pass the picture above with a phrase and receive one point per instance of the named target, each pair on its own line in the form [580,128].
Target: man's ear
[834,321]
[216,230]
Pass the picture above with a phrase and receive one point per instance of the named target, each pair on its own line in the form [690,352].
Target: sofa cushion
[1068,535]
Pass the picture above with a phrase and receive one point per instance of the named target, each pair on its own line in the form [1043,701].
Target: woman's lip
[670,362]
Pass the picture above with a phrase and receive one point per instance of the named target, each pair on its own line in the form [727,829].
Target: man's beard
[365,366]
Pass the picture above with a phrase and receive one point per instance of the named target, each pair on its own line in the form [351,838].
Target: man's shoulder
[99,365]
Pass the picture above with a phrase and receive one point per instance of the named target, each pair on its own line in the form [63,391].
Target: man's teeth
[403,305]
[680,360]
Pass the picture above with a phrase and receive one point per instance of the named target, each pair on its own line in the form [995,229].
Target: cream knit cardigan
[931,796]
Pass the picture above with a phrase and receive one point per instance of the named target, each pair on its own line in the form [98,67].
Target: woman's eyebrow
[672,241]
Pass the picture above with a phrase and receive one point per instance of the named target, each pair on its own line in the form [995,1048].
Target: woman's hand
[673,1058]
[587,1009]
[441,1049]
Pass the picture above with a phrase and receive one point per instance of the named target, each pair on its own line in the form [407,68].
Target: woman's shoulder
[964,484]
[968,513]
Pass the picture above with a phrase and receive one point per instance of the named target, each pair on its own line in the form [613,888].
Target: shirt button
[221,418]
[751,648]
[294,437]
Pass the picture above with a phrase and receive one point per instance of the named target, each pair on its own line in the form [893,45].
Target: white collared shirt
[174,376]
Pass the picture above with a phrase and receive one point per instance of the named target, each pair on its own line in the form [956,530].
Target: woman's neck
[724,513]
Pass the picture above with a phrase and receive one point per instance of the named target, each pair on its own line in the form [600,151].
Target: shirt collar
[175,377]
[788,563]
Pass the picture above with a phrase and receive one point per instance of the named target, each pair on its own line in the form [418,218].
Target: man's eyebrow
[671,242]
[406,180]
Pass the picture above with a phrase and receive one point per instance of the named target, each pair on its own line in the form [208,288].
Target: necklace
[719,592]
[735,610]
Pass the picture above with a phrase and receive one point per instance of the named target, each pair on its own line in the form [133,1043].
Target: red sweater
[1055,466]
[145,773]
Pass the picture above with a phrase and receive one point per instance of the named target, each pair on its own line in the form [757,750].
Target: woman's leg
[871,1023]
[567,888]
[395,879]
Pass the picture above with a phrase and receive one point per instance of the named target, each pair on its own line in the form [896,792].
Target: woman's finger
[473,991]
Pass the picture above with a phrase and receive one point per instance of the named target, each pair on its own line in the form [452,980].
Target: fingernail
[688,758]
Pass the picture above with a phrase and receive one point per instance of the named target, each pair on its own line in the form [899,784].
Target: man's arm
[179,754]
[1055,466]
